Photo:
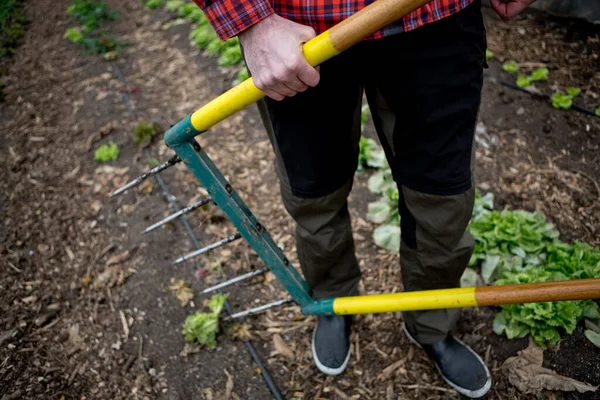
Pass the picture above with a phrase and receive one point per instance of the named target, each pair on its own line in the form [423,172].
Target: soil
[86,309]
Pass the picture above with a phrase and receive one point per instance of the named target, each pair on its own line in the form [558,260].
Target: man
[422,77]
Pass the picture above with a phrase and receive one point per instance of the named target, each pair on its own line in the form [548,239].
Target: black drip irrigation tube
[251,350]
[536,94]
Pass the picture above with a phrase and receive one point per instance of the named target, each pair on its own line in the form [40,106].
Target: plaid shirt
[230,17]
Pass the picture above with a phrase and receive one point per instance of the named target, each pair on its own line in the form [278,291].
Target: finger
[306,33]
[512,9]
[500,7]
[285,80]
[283,89]
[308,75]
[296,85]
[274,95]
[272,87]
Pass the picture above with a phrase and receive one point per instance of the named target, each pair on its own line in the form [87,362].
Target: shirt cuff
[231,17]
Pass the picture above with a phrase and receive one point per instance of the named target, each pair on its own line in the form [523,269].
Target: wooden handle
[328,44]
[578,289]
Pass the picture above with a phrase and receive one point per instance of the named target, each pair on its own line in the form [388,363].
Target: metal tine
[208,248]
[179,213]
[172,161]
[234,280]
[258,309]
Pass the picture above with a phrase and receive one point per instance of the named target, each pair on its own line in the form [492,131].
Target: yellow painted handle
[328,44]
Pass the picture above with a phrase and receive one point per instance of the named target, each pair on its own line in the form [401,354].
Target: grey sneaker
[331,343]
[458,365]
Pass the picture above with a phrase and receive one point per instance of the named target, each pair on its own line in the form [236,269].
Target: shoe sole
[323,368]
[474,394]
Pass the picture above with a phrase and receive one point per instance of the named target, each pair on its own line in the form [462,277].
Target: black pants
[423,88]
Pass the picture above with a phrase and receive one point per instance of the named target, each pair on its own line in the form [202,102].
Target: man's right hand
[273,52]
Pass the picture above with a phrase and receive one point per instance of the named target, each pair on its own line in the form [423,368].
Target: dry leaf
[281,347]
[118,258]
[389,392]
[389,370]
[208,393]
[228,385]
[29,299]
[239,331]
[182,291]
[74,336]
[108,278]
[189,348]
[525,371]
[147,187]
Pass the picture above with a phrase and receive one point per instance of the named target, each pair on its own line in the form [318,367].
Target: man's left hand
[508,9]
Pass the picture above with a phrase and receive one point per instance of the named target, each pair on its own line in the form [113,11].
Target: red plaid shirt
[230,17]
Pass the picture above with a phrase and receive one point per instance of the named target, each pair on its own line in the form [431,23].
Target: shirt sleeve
[230,17]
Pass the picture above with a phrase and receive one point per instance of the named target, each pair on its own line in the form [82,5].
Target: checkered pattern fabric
[230,17]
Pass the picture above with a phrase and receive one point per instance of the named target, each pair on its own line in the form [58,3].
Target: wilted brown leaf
[525,371]
[182,291]
[281,347]
[228,385]
[239,331]
[124,256]
[389,370]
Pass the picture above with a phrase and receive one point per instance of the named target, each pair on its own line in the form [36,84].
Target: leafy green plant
[12,25]
[107,152]
[365,111]
[387,236]
[518,246]
[370,155]
[510,66]
[152,4]
[144,132]
[74,35]
[90,13]
[573,91]
[540,74]
[385,210]
[231,56]
[597,111]
[106,43]
[174,5]
[523,81]
[546,321]
[562,101]
[203,35]
[489,54]
[203,327]
[593,337]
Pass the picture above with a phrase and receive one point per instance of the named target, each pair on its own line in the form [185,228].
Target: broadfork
[181,139]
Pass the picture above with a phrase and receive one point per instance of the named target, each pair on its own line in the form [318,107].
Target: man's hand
[273,52]
[508,9]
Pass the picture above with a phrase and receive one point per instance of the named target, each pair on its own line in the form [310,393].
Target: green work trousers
[423,89]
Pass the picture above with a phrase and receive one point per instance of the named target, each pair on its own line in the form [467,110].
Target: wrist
[256,27]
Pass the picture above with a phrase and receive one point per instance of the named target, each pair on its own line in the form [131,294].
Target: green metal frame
[181,138]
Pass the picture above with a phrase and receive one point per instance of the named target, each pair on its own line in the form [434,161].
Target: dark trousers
[423,88]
